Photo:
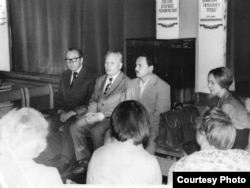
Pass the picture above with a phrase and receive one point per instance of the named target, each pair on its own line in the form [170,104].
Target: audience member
[152,92]
[216,135]
[75,89]
[219,80]
[108,92]
[22,138]
[124,160]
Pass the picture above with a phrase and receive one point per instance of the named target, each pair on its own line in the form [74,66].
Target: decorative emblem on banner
[211,14]
[211,26]
[167,25]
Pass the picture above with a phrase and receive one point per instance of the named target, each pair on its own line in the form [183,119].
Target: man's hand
[60,111]
[66,115]
[92,118]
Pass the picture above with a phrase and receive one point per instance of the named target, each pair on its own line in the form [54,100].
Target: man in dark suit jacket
[108,92]
[75,89]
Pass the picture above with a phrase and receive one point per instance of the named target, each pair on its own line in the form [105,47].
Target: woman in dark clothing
[219,80]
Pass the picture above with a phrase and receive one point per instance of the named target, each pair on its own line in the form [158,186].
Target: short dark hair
[218,128]
[149,58]
[223,76]
[130,120]
[78,50]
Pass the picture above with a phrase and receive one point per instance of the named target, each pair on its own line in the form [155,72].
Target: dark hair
[149,58]
[218,128]
[223,76]
[130,120]
[79,51]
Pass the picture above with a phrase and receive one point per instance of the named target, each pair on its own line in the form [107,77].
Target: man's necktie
[74,77]
[108,86]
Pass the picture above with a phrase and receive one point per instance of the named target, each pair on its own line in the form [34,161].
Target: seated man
[124,160]
[108,92]
[75,89]
[152,92]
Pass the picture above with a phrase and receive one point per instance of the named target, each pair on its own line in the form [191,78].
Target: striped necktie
[108,86]
[74,78]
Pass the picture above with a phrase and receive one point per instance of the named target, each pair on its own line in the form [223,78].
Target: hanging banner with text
[167,19]
[4,37]
[3,12]
[211,15]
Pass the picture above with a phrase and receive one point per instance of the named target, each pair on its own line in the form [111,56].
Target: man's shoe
[79,169]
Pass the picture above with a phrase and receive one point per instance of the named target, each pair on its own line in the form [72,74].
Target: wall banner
[211,14]
[167,19]
[3,12]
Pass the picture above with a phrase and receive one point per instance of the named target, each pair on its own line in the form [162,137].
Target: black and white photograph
[124,93]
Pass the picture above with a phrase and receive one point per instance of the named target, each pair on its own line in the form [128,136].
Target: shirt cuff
[101,116]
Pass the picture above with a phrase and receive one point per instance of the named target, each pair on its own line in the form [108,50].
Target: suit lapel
[137,89]
[102,82]
[148,90]
[79,80]
[66,81]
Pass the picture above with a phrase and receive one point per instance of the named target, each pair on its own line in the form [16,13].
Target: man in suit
[109,91]
[152,92]
[75,89]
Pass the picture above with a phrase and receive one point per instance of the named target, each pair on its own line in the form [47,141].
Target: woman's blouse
[235,109]
[212,160]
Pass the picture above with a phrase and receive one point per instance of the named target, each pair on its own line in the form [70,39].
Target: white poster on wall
[211,15]
[167,19]
[212,36]
[4,37]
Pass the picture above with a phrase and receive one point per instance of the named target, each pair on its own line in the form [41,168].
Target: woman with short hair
[219,81]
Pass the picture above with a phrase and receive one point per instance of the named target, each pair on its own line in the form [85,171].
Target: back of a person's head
[130,120]
[218,129]
[223,76]
[23,132]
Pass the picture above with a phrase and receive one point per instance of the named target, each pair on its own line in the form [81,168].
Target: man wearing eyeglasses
[109,91]
[75,89]
[76,86]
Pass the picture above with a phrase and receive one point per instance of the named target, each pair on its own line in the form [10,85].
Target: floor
[47,154]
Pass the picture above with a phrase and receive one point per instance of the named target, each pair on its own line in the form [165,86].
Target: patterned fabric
[75,74]
[108,86]
[213,160]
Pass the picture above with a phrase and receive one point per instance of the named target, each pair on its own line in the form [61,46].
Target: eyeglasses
[73,60]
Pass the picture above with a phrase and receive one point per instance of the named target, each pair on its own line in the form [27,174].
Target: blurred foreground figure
[22,138]
[216,135]
[124,160]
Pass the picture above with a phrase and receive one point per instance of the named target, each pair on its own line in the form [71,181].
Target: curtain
[42,30]
[238,43]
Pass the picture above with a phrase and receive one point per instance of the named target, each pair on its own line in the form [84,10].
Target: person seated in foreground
[216,135]
[22,138]
[124,160]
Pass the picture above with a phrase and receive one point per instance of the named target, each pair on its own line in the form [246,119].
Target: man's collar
[78,70]
[114,76]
